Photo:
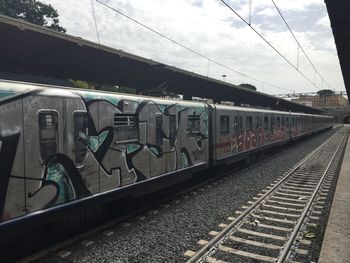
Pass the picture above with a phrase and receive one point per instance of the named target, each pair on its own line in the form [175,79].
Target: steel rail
[110,223]
[206,249]
[286,250]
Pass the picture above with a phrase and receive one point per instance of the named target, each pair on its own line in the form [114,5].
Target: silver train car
[60,147]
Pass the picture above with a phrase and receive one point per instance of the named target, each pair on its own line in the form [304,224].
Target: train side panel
[239,131]
[12,183]
[67,145]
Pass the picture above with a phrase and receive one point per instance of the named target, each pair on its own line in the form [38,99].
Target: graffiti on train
[251,139]
[103,143]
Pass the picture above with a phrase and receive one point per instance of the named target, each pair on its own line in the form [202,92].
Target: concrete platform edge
[336,242]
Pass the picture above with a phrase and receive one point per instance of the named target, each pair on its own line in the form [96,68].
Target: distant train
[62,146]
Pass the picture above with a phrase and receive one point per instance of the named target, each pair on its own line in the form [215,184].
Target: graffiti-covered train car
[238,131]
[59,145]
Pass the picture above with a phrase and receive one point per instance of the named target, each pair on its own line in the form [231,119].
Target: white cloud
[324,21]
[213,30]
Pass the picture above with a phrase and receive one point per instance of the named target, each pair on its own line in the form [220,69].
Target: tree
[32,11]
[325,92]
[248,86]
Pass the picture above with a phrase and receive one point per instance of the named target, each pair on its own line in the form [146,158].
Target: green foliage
[325,92]
[114,88]
[81,84]
[32,11]
[248,86]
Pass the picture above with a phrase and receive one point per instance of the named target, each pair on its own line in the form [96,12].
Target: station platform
[336,242]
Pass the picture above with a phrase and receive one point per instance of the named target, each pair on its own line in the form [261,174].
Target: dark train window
[80,121]
[126,127]
[272,122]
[278,121]
[159,129]
[172,128]
[256,122]
[266,123]
[287,121]
[235,124]
[249,122]
[48,134]
[283,121]
[193,124]
[224,125]
[240,123]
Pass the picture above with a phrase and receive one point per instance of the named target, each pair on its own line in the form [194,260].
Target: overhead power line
[296,40]
[188,48]
[95,22]
[267,42]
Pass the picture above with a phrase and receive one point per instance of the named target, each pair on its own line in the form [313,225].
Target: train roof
[251,109]
[15,88]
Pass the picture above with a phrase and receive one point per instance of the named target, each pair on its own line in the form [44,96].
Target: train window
[80,121]
[256,126]
[249,123]
[159,129]
[224,125]
[283,121]
[240,123]
[277,121]
[266,123]
[193,124]
[235,124]
[172,128]
[287,122]
[48,135]
[272,123]
[126,127]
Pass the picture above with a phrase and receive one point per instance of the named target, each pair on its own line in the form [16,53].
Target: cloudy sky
[211,29]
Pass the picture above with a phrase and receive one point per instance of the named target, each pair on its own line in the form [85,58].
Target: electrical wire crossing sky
[277,46]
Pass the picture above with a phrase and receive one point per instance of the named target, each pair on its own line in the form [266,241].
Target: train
[61,147]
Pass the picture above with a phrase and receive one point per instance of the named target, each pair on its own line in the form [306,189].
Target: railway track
[84,237]
[61,249]
[273,226]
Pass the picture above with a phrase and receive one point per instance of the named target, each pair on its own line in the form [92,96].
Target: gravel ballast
[166,234]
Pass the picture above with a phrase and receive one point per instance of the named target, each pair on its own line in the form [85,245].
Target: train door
[266,126]
[223,124]
[160,146]
[234,129]
[171,127]
[240,131]
[78,145]
[43,136]
[273,127]
[288,126]
[258,129]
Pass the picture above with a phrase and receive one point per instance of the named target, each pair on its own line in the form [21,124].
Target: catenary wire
[267,42]
[95,22]
[296,40]
[187,48]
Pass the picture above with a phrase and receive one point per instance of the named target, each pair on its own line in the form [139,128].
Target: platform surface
[336,243]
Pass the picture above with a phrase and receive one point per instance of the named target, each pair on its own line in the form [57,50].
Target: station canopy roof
[339,15]
[37,51]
